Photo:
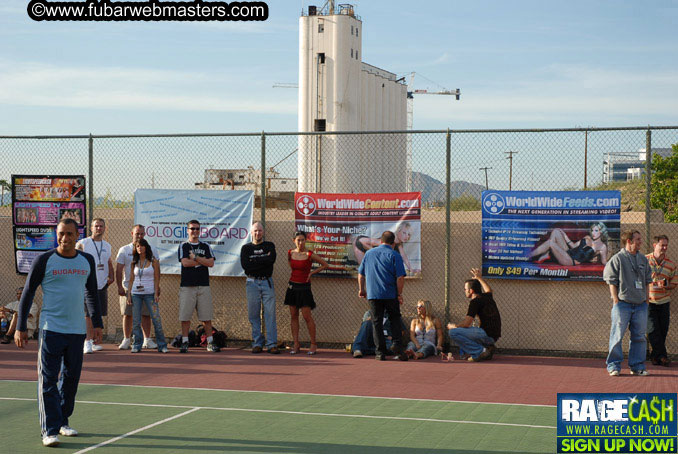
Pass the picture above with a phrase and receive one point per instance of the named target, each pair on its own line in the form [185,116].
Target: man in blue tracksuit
[67,276]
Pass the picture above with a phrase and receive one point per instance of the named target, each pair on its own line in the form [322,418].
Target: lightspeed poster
[549,235]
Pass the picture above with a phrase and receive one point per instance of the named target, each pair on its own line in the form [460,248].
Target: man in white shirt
[11,309]
[122,271]
[100,250]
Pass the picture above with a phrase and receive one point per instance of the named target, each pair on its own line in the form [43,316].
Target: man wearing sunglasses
[194,294]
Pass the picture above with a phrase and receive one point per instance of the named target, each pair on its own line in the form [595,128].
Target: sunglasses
[194,228]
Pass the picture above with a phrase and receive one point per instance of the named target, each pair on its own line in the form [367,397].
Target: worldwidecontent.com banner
[616,423]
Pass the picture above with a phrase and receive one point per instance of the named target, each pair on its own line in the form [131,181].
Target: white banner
[225,218]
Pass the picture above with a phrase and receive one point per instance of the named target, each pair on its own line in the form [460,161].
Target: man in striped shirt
[66,276]
[664,280]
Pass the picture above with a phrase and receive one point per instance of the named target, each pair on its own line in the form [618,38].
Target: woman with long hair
[144,288]
[426,333]
[403,234]
[299,296]
[590,249]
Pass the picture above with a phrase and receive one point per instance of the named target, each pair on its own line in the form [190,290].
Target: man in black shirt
[257,259]
[194,294]
[478,343]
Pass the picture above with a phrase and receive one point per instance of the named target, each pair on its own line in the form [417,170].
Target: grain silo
[338,92]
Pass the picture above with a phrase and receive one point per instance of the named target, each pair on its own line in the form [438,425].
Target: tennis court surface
[331,403]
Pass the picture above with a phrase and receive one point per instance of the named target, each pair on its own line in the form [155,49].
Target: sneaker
[614,373]
[273,351]
[184,347]
[642,372]
[86,349]
[67,431]
[484,355]
[380,357]
[96,347]
[492,349]
[163,350]
[357,354]
[136,350]
[50,440]
[125,344]
[257,349]
[6,340]
[211,347]
[401,357]
[149,343]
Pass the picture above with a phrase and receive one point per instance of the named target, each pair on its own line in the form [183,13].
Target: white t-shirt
[125,255]
[14,305]
[101,251]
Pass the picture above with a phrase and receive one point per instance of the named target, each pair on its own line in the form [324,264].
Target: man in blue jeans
[257,259]
[363,344]
[628,274]
[477,342]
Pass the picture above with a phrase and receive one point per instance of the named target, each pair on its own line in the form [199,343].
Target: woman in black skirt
[299,296]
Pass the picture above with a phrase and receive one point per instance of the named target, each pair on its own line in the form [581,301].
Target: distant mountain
[433,190]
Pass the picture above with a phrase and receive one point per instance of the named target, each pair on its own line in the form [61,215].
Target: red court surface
[505,379]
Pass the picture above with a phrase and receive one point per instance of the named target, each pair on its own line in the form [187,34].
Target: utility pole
[586,155]
[510,158]
[487,186]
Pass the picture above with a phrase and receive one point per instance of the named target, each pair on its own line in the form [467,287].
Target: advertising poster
[225,219]
[617,422]
[342,227]
[39,202]
[549,235]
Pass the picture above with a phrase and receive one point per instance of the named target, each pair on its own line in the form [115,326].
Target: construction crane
[411,91]
[285,85]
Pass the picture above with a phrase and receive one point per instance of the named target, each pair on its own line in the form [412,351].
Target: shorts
[195,298]
[126,309]
[299,295]
[103,302]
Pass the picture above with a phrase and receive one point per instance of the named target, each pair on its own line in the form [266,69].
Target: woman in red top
[299,294]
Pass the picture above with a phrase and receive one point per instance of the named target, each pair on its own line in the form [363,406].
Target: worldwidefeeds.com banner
[607,423]
[563,235]
[342,227]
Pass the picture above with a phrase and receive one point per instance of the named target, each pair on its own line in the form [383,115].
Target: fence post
[263,179]
[648,188]
[90,194]
[448,176]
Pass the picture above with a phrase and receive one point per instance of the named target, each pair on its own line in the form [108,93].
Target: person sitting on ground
[10,309]
[364,340]
[478,342]
[426,333]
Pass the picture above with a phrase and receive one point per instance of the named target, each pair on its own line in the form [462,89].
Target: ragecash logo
[596,423]
[306,205]
[494,203]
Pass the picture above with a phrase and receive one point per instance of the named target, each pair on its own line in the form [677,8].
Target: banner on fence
[225,219]
[342,227]
[39,202]
[567,235]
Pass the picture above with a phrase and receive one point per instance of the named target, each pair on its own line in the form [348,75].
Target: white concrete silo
[338,92]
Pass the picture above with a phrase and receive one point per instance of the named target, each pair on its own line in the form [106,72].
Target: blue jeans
[364,340]
[59,367]
[471,340]
[426,349]
[149,301]
[261,291]
[633,316]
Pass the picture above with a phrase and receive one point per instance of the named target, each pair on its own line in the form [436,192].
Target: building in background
[338,92]
[626,166]
[279,191]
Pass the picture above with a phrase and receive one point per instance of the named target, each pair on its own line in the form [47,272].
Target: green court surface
[128,419]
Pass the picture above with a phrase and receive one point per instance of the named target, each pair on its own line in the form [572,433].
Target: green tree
[665,184]
[465,203]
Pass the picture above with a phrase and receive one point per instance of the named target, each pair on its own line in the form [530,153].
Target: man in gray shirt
[628,274]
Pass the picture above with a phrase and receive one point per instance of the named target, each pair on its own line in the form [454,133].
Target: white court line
[305,413]
[113,440]
[306,394]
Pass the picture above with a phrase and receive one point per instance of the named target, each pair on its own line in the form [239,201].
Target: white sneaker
[86,349]
[148,343]
[125,344]
[67,431]
[96,347]
[164,350]
[50,440]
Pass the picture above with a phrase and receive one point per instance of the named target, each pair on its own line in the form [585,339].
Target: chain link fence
[537,315]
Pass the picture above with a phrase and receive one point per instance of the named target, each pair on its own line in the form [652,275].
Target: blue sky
[519,64]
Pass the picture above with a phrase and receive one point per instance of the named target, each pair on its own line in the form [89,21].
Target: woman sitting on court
[426,333]
[144,288]
[299,296]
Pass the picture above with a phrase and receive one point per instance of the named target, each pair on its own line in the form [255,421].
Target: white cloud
[34,84]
